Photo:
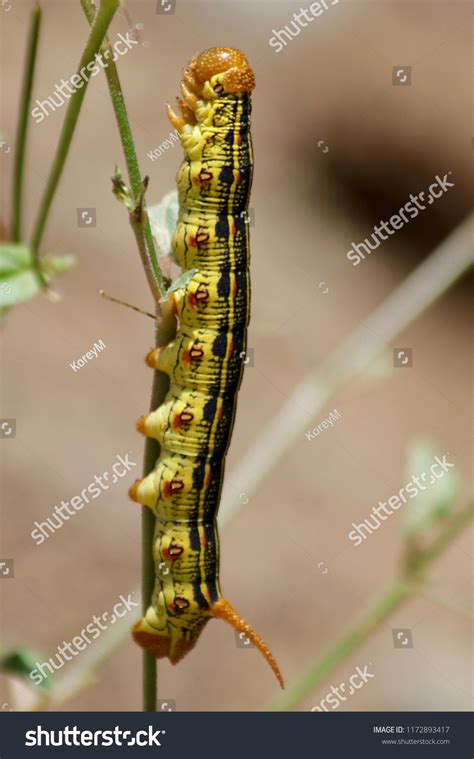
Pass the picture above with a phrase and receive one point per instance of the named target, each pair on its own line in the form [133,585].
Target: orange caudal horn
[222,609]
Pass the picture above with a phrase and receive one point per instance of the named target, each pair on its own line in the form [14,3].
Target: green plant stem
[401,591]
[397,594]
[145,242]
[23,120]
[99,28]
[165,332]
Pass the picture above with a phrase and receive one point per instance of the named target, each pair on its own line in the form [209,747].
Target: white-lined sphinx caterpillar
[194,424]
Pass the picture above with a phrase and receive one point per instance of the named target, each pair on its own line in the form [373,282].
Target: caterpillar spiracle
[204,360]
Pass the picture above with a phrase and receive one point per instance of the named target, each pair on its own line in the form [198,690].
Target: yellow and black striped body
[204,362]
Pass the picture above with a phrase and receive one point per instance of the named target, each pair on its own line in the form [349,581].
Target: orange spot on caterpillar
[200,295]
[172,552]
[238,139]
[208,480]
[206,594]
[232,229]
[204,176]
[222,609]
[141,425]
[182,419]
[234,287]
[173,486]
[186,416]
[186,357]
[151,358]
[202,236]
[196,353]
[238,178]
[133,491]
[180,604]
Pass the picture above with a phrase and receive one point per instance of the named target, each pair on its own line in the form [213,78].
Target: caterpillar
[204,360]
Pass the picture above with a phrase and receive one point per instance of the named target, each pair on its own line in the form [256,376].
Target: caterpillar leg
[160,644]
[177,121]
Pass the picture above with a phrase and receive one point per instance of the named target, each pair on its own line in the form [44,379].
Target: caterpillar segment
[204,360]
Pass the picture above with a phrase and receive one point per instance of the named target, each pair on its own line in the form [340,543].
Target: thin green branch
[99,28]
[165,331]
[415,565]
[143,232]
[23,120]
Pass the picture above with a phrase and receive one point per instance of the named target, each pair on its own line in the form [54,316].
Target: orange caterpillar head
[225,67]
[217,71]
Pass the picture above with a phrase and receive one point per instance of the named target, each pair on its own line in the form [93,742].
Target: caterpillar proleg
[204,361]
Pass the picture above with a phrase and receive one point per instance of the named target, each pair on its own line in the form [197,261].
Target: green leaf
[21,662]
[163,218]
[18,279]
[438,498]
[182,280]
[14,256]
[52,265]
[18,288]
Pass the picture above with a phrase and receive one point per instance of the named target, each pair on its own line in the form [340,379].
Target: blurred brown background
[332,83]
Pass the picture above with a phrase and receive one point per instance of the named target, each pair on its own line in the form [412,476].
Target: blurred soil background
[330,87]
